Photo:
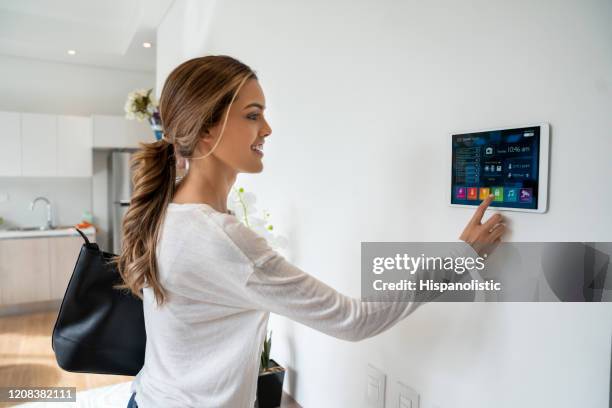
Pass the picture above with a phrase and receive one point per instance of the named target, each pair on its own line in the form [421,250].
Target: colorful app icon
[472,193]
[525,195]
[511,194]
[460,193]
[498,193]
[484,192]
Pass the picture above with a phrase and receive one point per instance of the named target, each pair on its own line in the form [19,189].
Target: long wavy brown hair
[194,98]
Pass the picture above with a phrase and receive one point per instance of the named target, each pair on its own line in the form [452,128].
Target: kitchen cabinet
[10,140]
[37,269]
[111,131]
[74,146]
[44,145]
[38,144]
[24,270]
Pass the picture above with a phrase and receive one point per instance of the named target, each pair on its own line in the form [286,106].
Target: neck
[208,181]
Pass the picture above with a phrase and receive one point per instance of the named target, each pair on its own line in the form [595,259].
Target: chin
[256,168]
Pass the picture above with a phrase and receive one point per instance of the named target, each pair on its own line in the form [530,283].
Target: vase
[270,386]
[156,126]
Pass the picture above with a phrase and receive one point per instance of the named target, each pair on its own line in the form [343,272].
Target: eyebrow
[260,106]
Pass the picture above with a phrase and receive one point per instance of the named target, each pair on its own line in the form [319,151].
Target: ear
[206,139]
[206,135]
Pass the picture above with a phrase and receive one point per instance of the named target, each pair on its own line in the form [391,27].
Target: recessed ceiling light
[72,52]
[146,44]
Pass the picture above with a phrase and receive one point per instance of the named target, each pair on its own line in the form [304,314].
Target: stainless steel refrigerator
[119,192]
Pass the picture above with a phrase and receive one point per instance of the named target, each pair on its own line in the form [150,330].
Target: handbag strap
[87,243]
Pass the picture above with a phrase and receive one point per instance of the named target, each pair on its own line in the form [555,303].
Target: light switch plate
[4,197]
[407,397]
[375,387]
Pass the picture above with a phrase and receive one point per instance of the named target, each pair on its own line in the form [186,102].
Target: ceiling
[106,33]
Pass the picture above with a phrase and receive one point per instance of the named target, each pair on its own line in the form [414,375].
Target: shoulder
[233,232]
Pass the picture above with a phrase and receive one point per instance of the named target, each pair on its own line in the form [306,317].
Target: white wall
[362,97]
[31,85]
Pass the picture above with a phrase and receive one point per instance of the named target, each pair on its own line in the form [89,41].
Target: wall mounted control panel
[510,163]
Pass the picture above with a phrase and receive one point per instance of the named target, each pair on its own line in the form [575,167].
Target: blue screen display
[499,162]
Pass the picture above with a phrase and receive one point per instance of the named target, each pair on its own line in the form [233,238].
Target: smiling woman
[197,109]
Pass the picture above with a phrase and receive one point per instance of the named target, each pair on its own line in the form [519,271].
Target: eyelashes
[253,116]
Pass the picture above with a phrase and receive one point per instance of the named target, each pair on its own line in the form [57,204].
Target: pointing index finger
[479,213]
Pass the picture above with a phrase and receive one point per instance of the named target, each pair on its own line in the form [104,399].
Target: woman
[208,282]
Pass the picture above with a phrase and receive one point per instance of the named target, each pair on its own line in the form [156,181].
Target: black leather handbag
[98,329]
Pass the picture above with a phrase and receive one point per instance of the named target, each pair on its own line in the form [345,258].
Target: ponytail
[154,173]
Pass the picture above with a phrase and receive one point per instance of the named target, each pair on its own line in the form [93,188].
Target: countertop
[57,232]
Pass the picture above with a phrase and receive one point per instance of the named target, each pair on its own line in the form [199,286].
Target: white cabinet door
[10,140]
[116,131]
[74,146]
[24,270]
[39,144]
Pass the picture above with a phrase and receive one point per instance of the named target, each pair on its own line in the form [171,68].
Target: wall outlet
[406,396]
[375,387]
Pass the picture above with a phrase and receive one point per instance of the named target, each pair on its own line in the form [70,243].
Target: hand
[484,237]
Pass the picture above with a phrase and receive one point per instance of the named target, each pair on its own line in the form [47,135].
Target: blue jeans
[132,402]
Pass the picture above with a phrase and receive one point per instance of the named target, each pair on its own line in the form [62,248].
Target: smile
[258,148]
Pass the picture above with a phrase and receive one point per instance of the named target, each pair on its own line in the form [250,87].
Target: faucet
[49,212]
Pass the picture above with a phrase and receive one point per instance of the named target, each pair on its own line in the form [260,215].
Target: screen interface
[499,162]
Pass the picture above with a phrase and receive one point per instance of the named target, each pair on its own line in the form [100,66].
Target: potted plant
[270,380]
[271,374]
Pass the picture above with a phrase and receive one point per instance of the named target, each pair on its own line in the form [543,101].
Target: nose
[266,129]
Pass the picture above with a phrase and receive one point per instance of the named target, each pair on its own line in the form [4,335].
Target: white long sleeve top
[223,280]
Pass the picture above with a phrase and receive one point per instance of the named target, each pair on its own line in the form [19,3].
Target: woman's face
[241,146]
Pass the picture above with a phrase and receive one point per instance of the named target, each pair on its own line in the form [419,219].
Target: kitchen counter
[59,231]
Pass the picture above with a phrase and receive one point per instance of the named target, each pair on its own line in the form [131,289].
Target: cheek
[237,142]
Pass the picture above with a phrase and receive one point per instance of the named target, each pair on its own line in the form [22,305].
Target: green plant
[265,353]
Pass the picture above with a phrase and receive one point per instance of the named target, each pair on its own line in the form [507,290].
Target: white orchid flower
[241,203]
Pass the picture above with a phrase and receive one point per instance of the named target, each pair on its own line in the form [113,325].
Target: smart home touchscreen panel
[511,164]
